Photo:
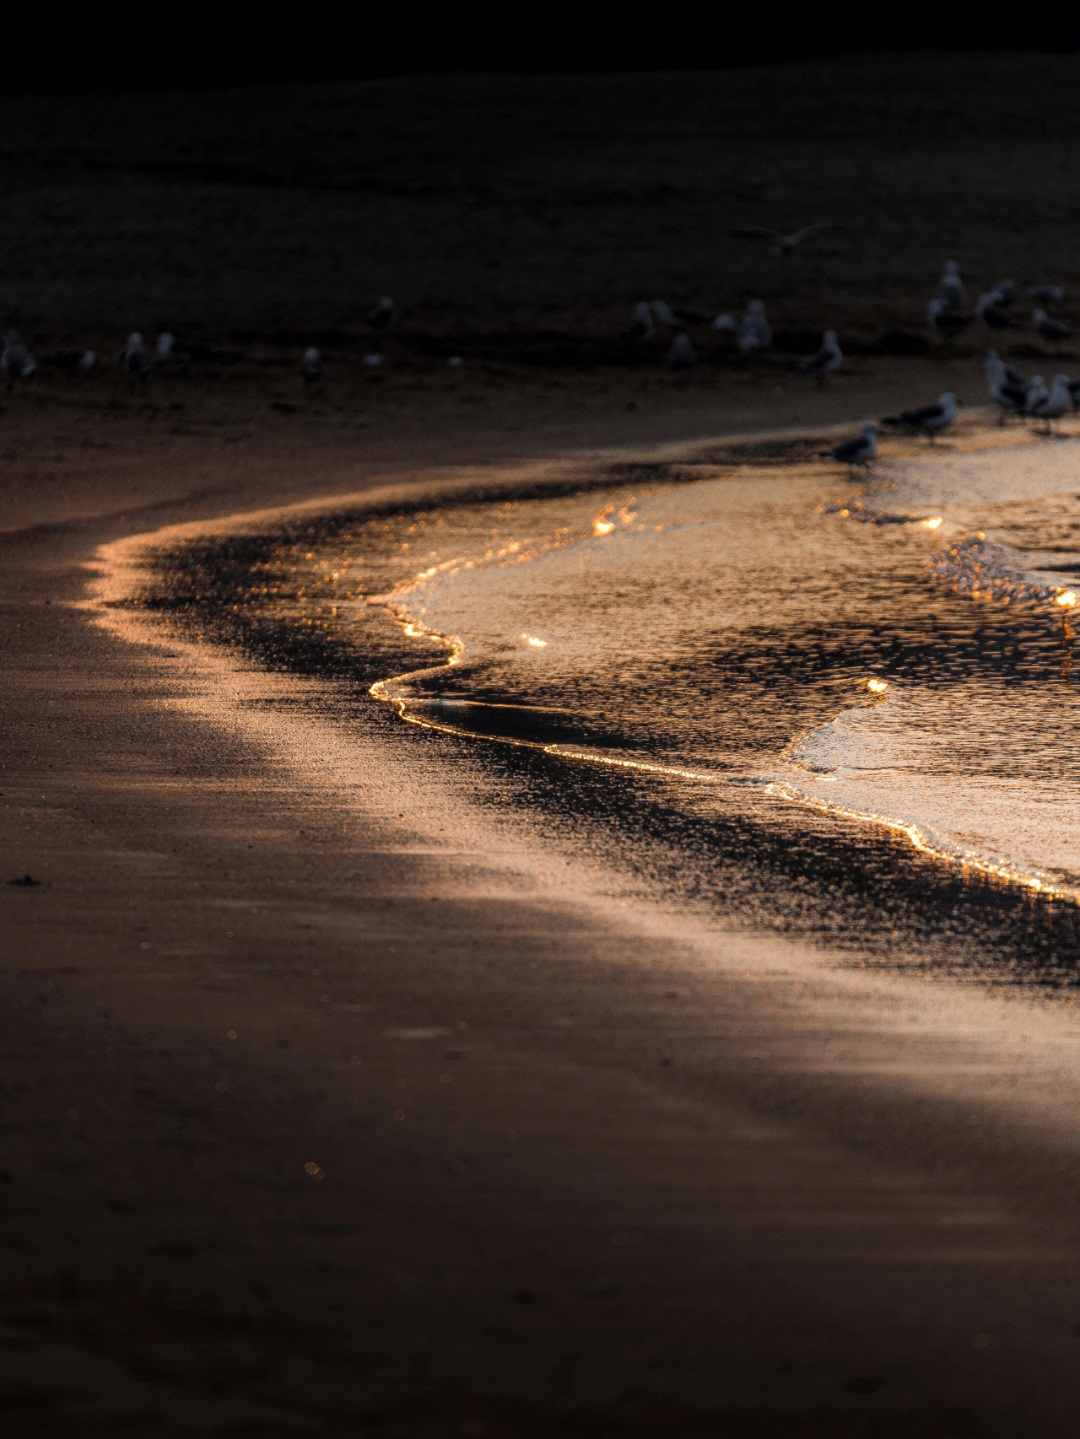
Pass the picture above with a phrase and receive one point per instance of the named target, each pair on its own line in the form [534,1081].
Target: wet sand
[574,1171]
[326,1112]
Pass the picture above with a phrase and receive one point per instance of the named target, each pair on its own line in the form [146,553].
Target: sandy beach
[329,1109]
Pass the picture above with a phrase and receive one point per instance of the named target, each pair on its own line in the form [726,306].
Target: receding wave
[704,672]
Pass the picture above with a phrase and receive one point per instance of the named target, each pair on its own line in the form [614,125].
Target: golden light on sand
[1066,599]
[876,686]
[933,523]
[537,644]
[602,527]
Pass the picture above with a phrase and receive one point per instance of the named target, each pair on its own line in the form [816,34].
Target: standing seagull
[928,420]
[951,288]
[383,313]
[135,361]
[641,326]
[1045,294]
[1008,388]
[72,362]
[16,361]
[1052,404]
[945,318]
[311,366]
[857,452]
[755,332]
[682,355]
[992,312]
[1048,329]
[826,360]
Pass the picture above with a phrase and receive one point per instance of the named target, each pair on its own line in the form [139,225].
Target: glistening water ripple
[729,690]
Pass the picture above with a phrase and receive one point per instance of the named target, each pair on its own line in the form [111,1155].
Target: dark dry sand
[574,1172]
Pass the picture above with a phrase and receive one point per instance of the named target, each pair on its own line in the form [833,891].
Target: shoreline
[557,1209]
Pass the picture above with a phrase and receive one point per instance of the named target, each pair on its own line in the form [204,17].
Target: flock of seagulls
[947,313]
[137,361]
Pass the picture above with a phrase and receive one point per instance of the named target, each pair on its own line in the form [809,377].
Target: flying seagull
[779,242]
[859,451]
[928,420]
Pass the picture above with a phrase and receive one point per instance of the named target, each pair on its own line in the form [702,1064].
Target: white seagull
[1045,294]
[1047,328]
[16,361]
[826,360]
[945,318]
[135,361]
[951,288]
[755,332]
[383,313]
[1053,404]
[311,366]
[991,311]
[641,326]
[682,354]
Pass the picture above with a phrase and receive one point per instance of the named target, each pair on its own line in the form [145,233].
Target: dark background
[50,50]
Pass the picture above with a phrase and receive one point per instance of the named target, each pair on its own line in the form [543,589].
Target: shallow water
[804,703]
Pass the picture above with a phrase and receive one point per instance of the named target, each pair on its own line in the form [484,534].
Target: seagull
[1008,388]
[1053,404]
[1047,328]
[1014,377]
[1045,294]
[135,361]
[1036,394]
[992,312]
[779,242]
[72,362]
[951,289]
[682,354]
[826,360]
[857,452]
[311,366]
[663,314]
[641,326]
[1074,392]
[383,313]
[16,361]
[928,420]
[1003,294]
[167,351]
[755,333]
[944,318]
[726,324]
